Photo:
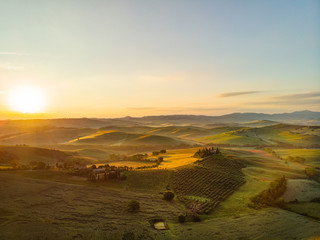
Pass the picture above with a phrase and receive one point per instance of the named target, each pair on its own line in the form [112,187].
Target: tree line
[206,152]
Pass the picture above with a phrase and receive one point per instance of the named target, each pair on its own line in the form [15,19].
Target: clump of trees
[157,163]
[123,157]
[270,196]
[168,195]
[192,213]
[273,153]
[133,206]
[156,153]
[206,152]
[313,173]
[104,172]
[9,159]
[296,159]
[38,165]
[138,157]
[288,158]
[195,210]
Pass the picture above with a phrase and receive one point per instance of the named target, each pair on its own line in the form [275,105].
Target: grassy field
[55,205]
[268,136]
[261,169]
[46,209]
[116,138]
[27,154]
[312,156]
[301,190]
[311,209]
[44,136]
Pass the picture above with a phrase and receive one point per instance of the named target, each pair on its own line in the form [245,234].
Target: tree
[168,195]
[195,209]
[181,218]
[133,206]
[155,153]
[160,159]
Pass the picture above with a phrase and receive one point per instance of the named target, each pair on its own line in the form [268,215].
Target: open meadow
[79,185]
[51,204]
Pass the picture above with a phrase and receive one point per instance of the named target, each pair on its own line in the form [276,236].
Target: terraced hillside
[209,182]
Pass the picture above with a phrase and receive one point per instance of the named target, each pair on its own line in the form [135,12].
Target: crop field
[210,182]
[154,181]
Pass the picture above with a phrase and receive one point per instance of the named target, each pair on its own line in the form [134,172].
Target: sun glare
[27,99]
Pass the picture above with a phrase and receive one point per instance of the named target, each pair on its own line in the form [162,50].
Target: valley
[45,184]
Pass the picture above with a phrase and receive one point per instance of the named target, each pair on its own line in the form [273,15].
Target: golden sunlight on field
[177,158]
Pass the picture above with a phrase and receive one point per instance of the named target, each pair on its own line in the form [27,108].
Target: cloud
[10,66]
[290,102]
[308,98]
[298,96]
[12,53]
[232,94]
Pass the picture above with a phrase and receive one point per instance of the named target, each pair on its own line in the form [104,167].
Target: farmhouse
[102,174]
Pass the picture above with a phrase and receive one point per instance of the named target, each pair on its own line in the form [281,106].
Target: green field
[51,204]
[312,156]
[57,204]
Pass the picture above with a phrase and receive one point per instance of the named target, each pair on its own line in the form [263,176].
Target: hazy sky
[117,58]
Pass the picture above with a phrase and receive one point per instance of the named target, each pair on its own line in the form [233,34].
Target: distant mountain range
[299,117]
[262,119]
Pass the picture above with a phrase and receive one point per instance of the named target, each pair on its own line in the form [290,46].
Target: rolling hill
[116,138]
[280,134]
[44,136]
[24,155]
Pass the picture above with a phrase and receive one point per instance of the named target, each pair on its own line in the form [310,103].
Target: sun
[27,99]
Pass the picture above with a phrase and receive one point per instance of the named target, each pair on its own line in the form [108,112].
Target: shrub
[195,210]
[181,218]
[196,218]
[316,200]
[168,195]
[155,153]
[128,236]
[133,206]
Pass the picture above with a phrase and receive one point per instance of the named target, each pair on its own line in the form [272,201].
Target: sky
[102,58]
